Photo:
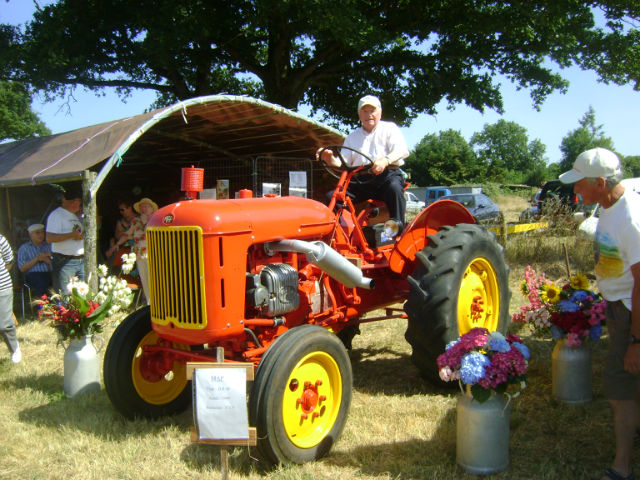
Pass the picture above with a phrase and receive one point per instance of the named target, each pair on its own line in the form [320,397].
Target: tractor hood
[264,218]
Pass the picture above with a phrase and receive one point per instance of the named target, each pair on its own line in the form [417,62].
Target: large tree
[17,119]
[412,53]
[509,155]
[443,159]
[588,135]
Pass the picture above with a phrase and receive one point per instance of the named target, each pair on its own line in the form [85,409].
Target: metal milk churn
[571,373]
[482,433]
[81,366]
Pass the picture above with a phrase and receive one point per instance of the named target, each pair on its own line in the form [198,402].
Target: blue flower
[556,332]
[451,344]
[595,333]
[568,306]
[524,350]
[499,345]
[472,367]
[579,296]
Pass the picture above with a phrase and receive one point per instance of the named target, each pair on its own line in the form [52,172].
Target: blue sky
[616,107]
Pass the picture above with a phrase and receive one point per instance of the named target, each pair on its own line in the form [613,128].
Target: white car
[590,222]
[414,206]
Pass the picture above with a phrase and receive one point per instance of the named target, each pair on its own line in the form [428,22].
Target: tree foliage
[412,53]
[631,166]
[17,120]
[588,135]
[443,159]
[509,155]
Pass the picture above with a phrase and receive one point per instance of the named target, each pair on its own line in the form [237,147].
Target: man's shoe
[16,357]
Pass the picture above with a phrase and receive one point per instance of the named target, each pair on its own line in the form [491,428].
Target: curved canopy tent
[231,126]
[216,130]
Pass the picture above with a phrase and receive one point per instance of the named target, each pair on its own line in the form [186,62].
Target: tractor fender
[428,222]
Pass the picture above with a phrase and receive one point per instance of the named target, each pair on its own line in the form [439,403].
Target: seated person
[34,261]
[120,244]
[384,144]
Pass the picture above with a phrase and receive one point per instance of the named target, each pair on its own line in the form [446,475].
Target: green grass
[399,427]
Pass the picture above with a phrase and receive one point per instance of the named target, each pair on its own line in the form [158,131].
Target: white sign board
[220,403]
[298,184]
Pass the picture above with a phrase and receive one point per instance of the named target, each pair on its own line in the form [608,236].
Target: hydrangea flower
[472,367]
[485,361]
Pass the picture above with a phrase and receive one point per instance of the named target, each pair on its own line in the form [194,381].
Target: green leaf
[480,394]
[99,313]
[82,305]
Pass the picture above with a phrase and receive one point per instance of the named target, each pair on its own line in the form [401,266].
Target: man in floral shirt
[597,174]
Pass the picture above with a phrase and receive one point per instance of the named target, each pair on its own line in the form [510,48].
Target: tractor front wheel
[301,395]
[134,383]
[460,282]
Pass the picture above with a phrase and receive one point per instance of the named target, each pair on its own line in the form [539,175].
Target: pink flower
[573,340]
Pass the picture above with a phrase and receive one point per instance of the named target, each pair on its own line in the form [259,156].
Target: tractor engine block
[273,291]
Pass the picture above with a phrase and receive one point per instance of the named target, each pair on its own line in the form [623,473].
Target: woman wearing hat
[145,207]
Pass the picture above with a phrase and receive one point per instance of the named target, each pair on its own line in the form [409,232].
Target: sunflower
[551,293]
[524,288]
[579,282]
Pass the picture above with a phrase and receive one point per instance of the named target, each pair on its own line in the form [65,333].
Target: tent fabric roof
[217,125]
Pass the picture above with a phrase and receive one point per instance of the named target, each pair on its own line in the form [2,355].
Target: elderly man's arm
[61,237]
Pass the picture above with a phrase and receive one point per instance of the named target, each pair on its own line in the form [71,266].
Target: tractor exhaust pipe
[327,260]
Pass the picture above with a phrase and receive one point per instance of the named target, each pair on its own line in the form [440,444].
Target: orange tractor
[284,282]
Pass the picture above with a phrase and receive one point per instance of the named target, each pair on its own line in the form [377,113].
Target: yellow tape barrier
[520,227]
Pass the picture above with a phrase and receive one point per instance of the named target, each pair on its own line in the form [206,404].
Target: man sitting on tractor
[383,142]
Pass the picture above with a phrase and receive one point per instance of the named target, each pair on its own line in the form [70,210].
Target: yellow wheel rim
[168,387]
[479,297]
[311,400]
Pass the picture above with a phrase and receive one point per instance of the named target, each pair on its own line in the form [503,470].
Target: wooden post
[90,227]
[503,231]
[224,451]
[566,260]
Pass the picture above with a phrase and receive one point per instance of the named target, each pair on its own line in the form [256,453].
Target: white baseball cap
[369,100]
[35,227]
[594,163]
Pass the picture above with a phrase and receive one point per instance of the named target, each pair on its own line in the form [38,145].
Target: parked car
[435,193]
[479,205]
[554,197]
[414,206]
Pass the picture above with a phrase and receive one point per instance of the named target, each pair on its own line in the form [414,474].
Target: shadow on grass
[90,412]
[385,370]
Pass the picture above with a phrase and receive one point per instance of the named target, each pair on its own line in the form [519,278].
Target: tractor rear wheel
[133,392]
[460,282]
[301,395]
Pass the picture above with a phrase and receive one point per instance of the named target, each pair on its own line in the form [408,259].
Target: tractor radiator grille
[176,276]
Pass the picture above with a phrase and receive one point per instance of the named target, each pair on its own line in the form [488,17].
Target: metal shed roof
[220,125]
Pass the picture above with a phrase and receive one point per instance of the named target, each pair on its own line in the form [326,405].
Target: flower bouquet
[78,312]
[486,362]
[573,310]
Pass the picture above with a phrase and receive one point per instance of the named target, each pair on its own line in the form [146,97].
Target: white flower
[81,287]
[103,270]
[128,262]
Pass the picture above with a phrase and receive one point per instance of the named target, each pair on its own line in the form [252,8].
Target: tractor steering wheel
[344,166]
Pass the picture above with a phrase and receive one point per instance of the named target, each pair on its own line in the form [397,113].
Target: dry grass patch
[511,206]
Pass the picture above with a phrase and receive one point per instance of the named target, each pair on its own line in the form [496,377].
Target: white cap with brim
[369,100]
[594,163]
[35,227]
